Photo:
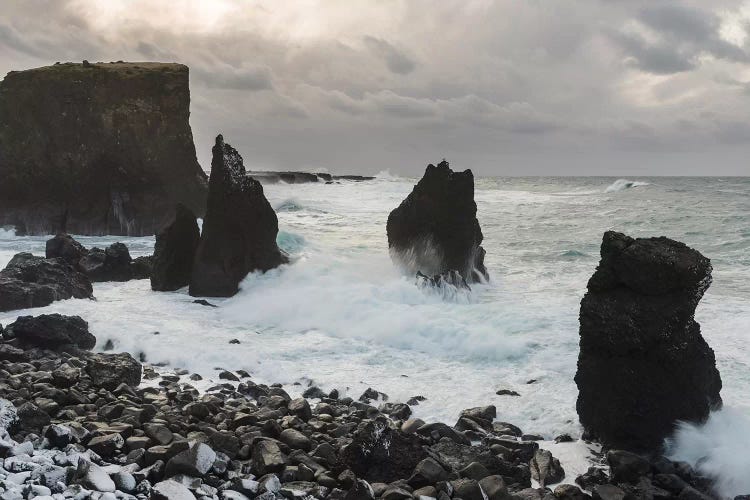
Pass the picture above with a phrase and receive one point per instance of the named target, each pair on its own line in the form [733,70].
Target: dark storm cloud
[397,61]
[499,86]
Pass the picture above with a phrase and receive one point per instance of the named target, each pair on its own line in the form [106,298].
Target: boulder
[379,453]
[174,252]
[29,281]
[110,264]
[142,267]
[546,469]
[239,229]
[435,229]
[100,148]
[643,364]
[64,246]
[195,462]
[111,370]
[51,331]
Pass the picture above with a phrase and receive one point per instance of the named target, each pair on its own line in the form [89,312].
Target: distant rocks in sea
[268,177]
[435,229]
[113,263]
[643,364]
[174,251]
[239,229]
[97,148]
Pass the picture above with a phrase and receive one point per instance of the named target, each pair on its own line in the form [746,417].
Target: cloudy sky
[506,87]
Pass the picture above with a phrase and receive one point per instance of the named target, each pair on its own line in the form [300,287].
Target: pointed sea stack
[101,148]
[435,229]
[239,229]
[174,252]
[643,364]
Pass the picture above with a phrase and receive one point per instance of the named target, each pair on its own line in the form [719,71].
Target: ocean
[342,316]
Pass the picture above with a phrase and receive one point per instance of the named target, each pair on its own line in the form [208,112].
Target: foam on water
[621,184]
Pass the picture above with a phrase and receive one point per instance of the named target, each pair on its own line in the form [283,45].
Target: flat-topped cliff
[102,148]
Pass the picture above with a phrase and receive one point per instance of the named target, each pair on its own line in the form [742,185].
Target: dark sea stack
[435,229]
[29,281]
[103,148]
[239,229]
[643,364]
[174,252]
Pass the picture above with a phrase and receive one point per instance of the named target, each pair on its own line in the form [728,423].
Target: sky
[505,87]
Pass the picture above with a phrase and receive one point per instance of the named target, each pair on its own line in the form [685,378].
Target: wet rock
[467,489]
[92,477]
[627,467]
[494,487]
[110,264]
[295,440]
[31,418]
[142,267]
[195,461]
[608,492]
[435,229]
[174,251]
[546,469]
[267,457]
[507,392]
[239,229]
[643,364]
[570,492]
[28,281]
[170,490]
[360,490]
[301,408]
[65,247]
[110,370]
[592,477]
[426,473]
[51,331]
[97,148]
[380,453]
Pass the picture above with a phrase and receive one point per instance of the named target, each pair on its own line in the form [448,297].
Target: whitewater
[341,315]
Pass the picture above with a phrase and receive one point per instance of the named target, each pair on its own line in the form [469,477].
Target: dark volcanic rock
[435,229]
[97,148]
[174,252]
[379,453]
[110,264]
[643,363]
[51,331]
[271,177]
[111,370]
[239,229]
[63,246]
[142,267]
[30,281]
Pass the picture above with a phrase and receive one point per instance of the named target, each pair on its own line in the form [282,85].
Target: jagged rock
[65,247]
[110,264]
[142,267]
[93,477]
[627,467]
[379,453]
[426,473]
[174,252]
[643,364]
[99,148]
[458,456]
[267,457]
[29,281]
[8,414]
[435,229]
[110,370]
[51,331]
[494,487]
[239,229]
[546,469]
[195,461]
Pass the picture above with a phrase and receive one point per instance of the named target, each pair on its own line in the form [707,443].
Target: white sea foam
[718,449]
[622,184]
[7,233]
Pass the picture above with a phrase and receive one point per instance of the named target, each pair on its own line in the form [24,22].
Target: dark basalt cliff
[643,363]
[100,148]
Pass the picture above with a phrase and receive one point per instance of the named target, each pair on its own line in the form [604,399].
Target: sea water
[341,315]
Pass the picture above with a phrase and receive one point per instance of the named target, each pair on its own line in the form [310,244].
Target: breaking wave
[718,449]
[622,184]
[7,233]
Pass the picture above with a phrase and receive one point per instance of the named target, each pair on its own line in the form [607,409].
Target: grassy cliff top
[120,68]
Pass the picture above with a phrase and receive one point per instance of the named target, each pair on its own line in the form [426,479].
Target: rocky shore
[79,424]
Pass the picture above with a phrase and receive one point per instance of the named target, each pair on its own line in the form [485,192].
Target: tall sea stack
[101,148]
[435,229]
[239,229]
[643,364]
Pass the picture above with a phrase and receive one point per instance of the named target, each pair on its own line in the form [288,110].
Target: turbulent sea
[342,316]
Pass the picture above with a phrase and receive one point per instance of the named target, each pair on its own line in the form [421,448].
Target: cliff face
[100,148]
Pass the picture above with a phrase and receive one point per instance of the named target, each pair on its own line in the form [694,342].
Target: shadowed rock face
[239,229]
[643,363]
[174,252]
[97,148]
[435,229]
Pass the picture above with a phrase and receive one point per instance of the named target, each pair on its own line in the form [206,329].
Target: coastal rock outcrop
[239,229]
[103,148]
[435,229]
[174,251]
[50,331]
[643,364]
[30,281]
[113,263]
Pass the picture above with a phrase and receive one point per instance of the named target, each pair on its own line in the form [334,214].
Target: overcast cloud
[506,87]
